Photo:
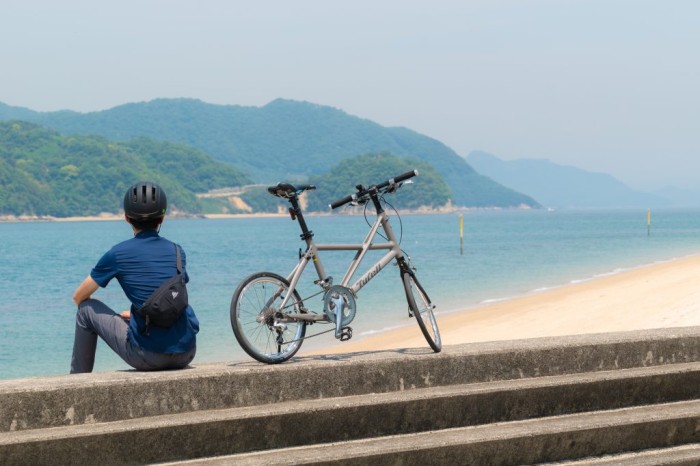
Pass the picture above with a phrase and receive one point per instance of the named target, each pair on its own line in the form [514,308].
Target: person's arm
[85,290]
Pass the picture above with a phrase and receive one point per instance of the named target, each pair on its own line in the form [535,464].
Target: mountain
[45,173]
[282,141]
[561,186]
[8,112]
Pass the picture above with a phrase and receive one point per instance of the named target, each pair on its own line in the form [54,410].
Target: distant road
[228,192]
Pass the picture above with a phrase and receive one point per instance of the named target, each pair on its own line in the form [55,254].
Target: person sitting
[140,265]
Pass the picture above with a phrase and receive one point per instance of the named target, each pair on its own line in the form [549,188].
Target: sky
[608,86]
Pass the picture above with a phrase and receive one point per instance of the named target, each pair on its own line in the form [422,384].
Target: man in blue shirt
[140,265]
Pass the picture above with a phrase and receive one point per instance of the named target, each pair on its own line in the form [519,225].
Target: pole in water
[461,234]
[648,222]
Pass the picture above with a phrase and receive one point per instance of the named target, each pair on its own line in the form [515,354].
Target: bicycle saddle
[287,190]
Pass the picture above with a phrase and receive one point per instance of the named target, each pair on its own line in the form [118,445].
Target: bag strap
[179,260]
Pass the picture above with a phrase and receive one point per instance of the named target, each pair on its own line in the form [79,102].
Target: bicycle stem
[375,200]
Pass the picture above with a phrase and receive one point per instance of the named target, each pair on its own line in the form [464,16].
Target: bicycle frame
[313,249]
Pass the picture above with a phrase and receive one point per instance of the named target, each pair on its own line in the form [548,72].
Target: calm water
[506,253]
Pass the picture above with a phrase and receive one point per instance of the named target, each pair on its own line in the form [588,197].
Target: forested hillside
[426,190]
[45,173]
[284,140]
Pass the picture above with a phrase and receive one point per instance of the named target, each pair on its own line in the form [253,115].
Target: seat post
[296,213]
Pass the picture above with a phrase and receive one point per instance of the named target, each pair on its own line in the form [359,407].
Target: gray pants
[95,318]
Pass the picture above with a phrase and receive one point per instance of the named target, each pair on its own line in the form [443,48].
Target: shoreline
[118,217]
[659,295]
[106,216]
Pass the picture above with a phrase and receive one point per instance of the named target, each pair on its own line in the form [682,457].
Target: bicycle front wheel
[260,325]
[422,310]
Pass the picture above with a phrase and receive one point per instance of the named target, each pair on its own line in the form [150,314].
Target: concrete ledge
[308,422]
[525,442]
[95,398]
[685,455]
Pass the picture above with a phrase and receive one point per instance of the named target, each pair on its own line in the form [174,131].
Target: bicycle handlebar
[364,192]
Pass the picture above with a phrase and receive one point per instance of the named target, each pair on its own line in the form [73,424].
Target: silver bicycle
[269,317]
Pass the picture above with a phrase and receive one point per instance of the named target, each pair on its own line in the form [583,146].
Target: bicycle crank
[339,306]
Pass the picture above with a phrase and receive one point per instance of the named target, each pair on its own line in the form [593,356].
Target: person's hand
[126,315]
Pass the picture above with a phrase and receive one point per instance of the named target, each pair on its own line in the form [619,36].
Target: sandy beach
[654,296]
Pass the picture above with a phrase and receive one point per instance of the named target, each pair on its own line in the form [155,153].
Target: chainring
[335,296]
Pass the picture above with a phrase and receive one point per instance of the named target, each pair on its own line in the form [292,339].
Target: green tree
[426,190]
[45,173]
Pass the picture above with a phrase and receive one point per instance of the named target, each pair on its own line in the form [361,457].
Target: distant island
[67,164]
[565,187]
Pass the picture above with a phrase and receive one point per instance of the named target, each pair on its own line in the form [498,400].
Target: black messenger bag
[167,303]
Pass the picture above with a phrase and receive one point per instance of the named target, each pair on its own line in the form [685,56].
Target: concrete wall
[102,397]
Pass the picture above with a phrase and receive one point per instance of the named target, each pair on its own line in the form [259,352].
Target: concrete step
[684,455]
[350,418]
[95,398]
[532,441]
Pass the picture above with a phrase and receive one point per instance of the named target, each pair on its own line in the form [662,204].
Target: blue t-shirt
[141,264]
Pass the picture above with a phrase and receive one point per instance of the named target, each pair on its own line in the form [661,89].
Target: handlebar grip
[406,176]
[341,202]
[398,179]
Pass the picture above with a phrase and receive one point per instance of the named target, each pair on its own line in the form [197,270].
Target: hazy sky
[603,85]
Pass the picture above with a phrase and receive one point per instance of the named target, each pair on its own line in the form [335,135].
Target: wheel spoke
[253,308]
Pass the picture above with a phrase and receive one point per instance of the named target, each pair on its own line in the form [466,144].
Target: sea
[463,260]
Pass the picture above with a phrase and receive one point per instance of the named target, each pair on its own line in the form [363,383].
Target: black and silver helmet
[145,201]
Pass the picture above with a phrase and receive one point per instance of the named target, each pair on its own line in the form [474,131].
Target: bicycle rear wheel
[422,310]
[258,322]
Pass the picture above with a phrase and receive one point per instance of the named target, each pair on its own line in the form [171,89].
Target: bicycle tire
[253,314]
[422,309]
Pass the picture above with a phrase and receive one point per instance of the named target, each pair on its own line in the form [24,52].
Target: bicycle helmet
[145,201]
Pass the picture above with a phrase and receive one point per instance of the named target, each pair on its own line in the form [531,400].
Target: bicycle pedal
[345,334]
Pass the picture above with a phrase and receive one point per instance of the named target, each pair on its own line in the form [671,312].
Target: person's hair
[147,224]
